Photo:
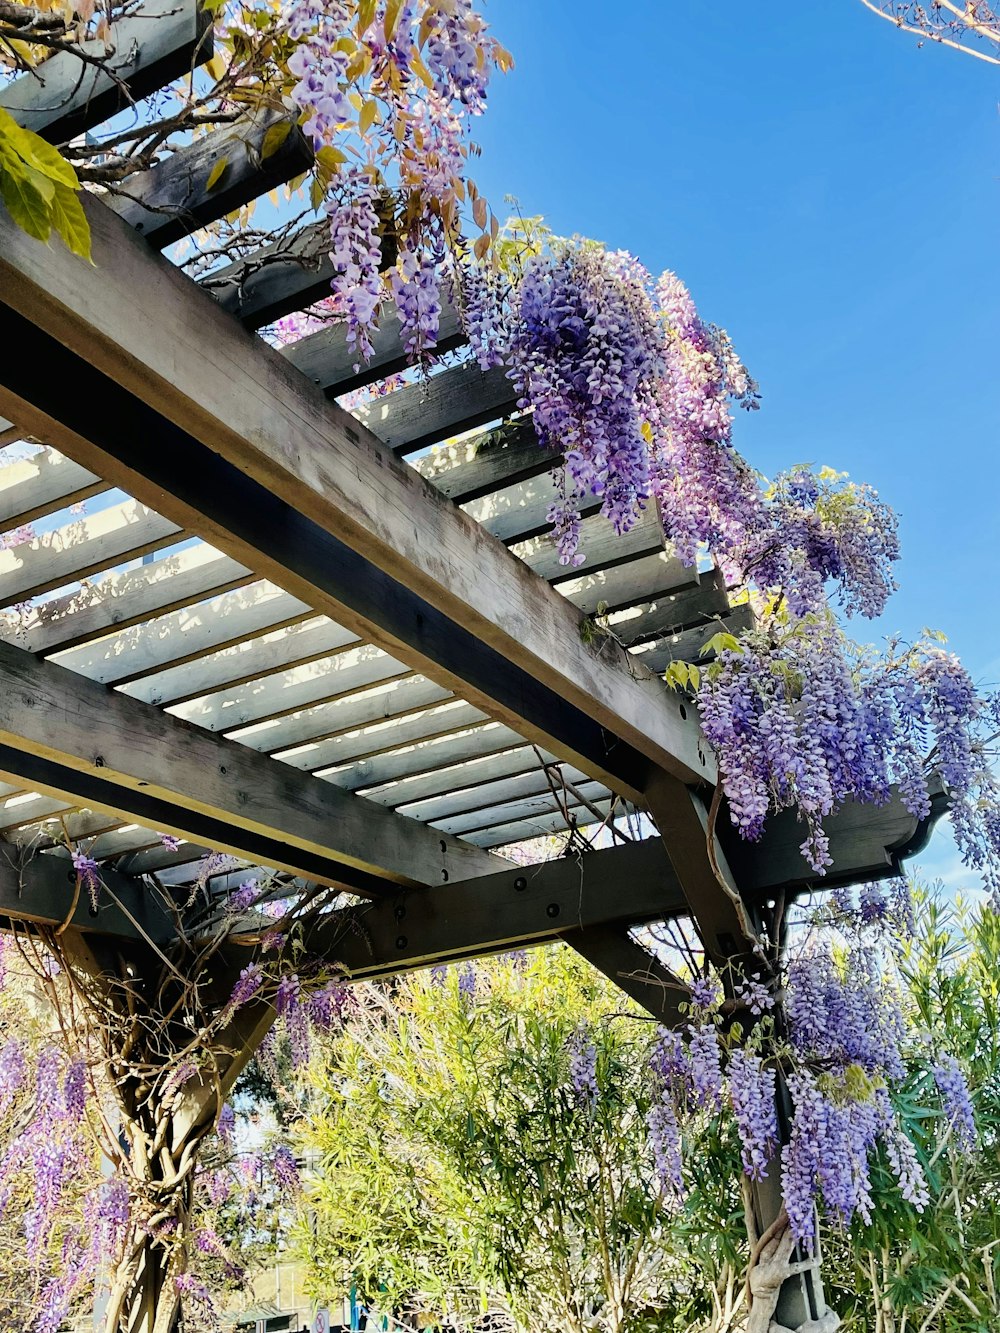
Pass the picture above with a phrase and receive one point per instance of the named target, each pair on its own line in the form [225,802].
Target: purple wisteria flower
[88,872]
[956,1101]
[582,1066]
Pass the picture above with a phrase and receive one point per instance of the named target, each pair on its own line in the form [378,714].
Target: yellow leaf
[37,152]
[479,211]
[646,430]
[481,246]
[274,138]
[421,71]
[367,117]
[366,14]
[391,18]
[216,67]
[215,175]
[330,158]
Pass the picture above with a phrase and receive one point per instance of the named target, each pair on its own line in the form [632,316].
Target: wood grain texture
[50,714]
[197,372]
[173,199]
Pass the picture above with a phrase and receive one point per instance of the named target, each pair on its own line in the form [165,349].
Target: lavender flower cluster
[397,94]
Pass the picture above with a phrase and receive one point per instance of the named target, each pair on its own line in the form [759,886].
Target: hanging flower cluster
[844,1046]
[387,90]
[636,393]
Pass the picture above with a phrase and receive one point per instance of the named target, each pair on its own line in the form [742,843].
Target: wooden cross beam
[67,736]
[159,41]
[179,195]
[191,414]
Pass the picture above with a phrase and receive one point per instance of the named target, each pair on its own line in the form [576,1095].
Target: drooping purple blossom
[88,872]
[752,1095]
[582,1066]
[956,1100]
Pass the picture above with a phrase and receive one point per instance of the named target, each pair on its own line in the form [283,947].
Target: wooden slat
[21,810]
[481,462]
[172,199]
[156,43]
[412,724]
[383,704]
[625,585]
[290,274]
[308,497]
[114,753]
[42,484]
[9,433]
[122,532]
[519,511]
[181,635]
[423,413]
[600,545]
[290,691]
[278,279]
[424,757]
[535,826]
[487,769]
[326,358]
[51,831]
[672,613]
[514,811]
[297,643]
[122,599]
[492,796]
[688,644]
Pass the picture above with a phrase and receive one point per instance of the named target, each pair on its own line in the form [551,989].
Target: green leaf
[28,203]
[274,138]
[215,175]
[39,154]
[70,221]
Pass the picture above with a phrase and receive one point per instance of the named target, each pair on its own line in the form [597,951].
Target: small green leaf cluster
[40,188]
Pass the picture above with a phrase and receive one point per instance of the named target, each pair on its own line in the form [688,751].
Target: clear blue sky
[830,192]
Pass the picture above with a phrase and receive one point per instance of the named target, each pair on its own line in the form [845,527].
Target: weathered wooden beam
[174,198]
[866,843]
[72,738]
[444,404]
[326,358]
[158,42]
[42,889]
[235,445]
[526,905]
[722,918]
[641,975]
[278,279]
[288,275]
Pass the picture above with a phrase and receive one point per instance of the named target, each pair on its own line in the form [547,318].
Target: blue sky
[830,192]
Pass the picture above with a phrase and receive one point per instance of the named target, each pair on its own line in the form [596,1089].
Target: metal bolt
[399,911]
[552,909]
[520,884]
[400,941]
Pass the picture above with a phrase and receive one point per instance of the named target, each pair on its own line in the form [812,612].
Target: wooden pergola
[322,640]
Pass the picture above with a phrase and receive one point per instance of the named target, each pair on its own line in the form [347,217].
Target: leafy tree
[482,1143]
